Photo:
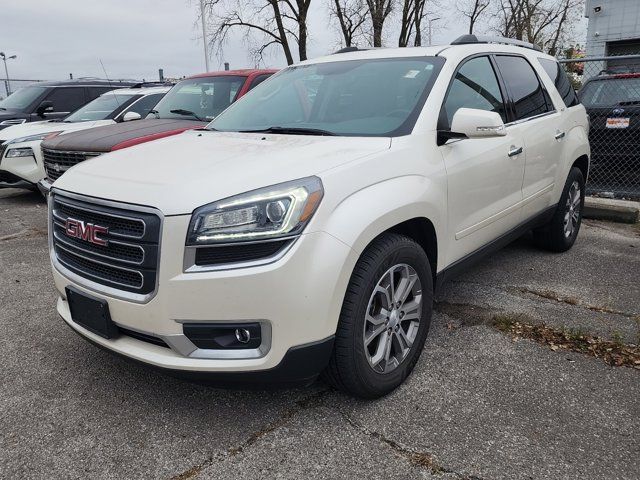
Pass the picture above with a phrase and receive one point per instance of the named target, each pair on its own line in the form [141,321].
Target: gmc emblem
[86,231]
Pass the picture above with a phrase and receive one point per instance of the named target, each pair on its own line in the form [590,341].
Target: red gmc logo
[86,231]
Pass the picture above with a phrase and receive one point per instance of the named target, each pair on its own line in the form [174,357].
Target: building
[614,28]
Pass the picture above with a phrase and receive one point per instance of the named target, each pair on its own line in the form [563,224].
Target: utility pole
[7,85]
[430,21]
[204,36]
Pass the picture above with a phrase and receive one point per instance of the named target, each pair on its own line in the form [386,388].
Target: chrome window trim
[85,282]
[535,117]
[189,264]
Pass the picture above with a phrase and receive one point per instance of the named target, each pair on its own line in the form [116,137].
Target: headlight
[19,152]
[278,211]
[33,138]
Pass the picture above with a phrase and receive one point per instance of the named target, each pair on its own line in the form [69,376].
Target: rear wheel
[561,232]
[384,320]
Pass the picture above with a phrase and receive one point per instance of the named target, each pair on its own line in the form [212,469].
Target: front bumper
[298,298]
[22,172]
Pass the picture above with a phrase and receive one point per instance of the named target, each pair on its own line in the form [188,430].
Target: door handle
[559,135]
[513,151]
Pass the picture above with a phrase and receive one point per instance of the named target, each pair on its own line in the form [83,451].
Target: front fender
[365,214]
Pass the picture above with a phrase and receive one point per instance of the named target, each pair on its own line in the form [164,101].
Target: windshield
[22,98]
[199,98]
[613,91]
[373,97]
[101,108]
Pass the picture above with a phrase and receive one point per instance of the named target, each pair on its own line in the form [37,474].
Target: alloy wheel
[572,210]
[392,318]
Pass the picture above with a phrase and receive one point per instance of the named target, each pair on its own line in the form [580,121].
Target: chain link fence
[10,86]
[609,88]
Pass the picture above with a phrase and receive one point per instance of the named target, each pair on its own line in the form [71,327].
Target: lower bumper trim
[301,365]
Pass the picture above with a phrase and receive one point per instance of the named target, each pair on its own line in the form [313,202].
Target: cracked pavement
[480,404]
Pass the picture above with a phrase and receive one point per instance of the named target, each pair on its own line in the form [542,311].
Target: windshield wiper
[181,111]
[291,131]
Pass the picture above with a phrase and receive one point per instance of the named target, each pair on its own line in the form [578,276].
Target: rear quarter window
[559,78]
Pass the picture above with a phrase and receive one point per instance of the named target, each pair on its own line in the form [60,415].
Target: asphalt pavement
[481,403]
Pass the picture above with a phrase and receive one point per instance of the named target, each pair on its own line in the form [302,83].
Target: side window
[67,99]
[145,104]
[258,80]
[528,96]
[559,78]
[95,92]
[474,86]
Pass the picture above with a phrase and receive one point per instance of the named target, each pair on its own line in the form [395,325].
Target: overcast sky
[134,38]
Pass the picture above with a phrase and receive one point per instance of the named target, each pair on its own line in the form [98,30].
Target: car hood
[181,173]
[103,139]
[35,128]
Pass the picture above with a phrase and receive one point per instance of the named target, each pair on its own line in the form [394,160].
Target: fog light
[224,336]
[243,335]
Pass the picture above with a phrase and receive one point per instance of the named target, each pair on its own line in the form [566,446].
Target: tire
[351,368]
[555,236]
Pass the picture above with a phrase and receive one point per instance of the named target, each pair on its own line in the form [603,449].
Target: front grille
[3,147]
[56,162]
[129,259]
[238,253]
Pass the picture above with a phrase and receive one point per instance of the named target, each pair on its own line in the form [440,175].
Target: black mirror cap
[44,107]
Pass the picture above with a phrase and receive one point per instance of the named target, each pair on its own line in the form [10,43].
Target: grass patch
[613,352]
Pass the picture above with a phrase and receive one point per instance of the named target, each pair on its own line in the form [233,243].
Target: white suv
[305,229]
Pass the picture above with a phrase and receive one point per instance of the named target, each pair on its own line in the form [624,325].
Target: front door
[484,174]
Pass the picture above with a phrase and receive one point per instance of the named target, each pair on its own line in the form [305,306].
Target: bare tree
[547,23]
[351,16]
[273,22]
[473,10]
[379,10]
[413,12]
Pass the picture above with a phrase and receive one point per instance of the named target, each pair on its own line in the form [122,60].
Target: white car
[304,231]
[21,162]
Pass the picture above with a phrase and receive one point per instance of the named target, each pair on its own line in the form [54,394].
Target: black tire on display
[562,230]
[384,320]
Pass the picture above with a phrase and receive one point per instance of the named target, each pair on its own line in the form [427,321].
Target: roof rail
[469,39]
[165,83]
[348,49]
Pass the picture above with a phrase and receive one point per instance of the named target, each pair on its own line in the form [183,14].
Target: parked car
[21,163]
[613,104]
[305,229]
[49,100]
[190,104]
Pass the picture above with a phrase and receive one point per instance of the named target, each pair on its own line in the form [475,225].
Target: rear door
[65,100]
[484,174]
[537,121]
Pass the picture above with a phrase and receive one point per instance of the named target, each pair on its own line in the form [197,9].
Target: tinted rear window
[528,96]
[611,91]
[559,78]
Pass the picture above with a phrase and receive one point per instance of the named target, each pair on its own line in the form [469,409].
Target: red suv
[192,103]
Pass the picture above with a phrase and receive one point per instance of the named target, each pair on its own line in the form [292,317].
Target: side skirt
[459,266]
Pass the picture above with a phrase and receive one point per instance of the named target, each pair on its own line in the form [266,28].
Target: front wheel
[384,320]
[561,232]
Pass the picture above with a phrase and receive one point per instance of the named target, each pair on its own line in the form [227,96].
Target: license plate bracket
[91,313]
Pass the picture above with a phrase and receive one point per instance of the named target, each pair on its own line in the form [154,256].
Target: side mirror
[475,123]
[129,116]
[46,106]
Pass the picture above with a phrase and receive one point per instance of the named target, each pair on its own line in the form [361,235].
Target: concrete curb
[613,210]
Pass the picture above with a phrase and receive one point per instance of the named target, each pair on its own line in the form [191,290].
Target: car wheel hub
[392,318]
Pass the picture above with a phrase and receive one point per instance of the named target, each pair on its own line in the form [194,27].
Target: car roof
[81,82]
[455,52]
[138,91]
[242,72]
